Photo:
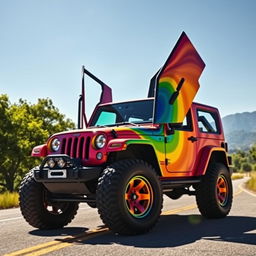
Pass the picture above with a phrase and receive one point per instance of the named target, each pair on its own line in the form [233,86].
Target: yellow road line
[33,248]
[181,209]
[238,192]
[43,245]
[49,249]
[45,248]
[67,241]
[246,191]
[62,244]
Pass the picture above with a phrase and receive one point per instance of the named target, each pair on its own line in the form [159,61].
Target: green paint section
[172,141]
[155,138]
[164,112]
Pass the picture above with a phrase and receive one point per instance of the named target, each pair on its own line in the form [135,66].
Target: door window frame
[187,128]
[215,118]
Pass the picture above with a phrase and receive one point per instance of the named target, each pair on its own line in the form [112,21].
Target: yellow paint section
[182,156]
[174,82]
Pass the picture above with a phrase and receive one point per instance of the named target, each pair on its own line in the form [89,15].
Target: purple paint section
[106,95]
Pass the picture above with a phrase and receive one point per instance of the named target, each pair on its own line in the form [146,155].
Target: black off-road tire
[32,196]
[92,204]
[210,201]
[112,197]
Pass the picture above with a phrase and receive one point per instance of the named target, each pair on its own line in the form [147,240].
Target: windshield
[133,112]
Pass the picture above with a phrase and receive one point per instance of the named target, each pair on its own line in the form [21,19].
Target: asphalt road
[180,231]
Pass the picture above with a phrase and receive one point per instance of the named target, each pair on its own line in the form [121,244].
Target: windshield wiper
[99,126]
[123,123]
[120,123]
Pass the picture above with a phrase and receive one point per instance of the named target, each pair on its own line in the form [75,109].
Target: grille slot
[81,146]
[87,147]
[68,146]
[63,146]
[76,147]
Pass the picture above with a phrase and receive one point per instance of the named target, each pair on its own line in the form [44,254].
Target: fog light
[51,163]
[61,162]
[99,156]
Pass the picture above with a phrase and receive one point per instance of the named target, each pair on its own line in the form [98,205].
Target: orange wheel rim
[139,196]
[222,190]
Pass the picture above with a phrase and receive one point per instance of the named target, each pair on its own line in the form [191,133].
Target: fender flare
[39,151]
[207,155]
[117,145]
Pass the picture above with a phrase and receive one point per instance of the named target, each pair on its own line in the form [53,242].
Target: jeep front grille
[76,147]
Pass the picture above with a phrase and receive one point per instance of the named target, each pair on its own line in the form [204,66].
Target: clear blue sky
[44,43]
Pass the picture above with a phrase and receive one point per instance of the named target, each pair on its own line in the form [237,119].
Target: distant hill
[240,130]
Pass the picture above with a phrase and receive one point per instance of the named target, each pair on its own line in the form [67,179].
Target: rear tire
[214,194]
[129,197]
[38,211]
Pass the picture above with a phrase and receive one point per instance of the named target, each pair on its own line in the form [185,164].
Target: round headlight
[100,141]
[55,145]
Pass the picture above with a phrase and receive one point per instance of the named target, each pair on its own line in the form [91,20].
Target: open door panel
[176,84]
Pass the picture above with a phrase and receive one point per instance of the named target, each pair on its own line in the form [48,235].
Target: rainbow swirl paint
[183,62]
[175,149]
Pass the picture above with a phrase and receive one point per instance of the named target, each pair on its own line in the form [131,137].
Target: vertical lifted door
[176,84]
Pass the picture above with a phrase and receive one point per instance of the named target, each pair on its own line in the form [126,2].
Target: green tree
[253,153]
[246,167]
[237,162]
[23,126]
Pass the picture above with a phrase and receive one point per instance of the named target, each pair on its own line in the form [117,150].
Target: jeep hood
[124,130]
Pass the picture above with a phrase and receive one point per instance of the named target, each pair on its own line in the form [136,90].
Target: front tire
[214,194]
[38,211]
[129,197]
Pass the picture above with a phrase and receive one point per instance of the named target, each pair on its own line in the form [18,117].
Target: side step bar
[169,185]
[74,198]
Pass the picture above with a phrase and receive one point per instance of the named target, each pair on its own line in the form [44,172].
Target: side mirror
[172,127]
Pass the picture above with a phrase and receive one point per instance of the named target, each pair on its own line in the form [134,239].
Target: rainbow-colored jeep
[130,153]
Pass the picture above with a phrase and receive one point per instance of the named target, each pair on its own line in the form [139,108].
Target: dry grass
[9,200]
[251,183]
[236,176]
